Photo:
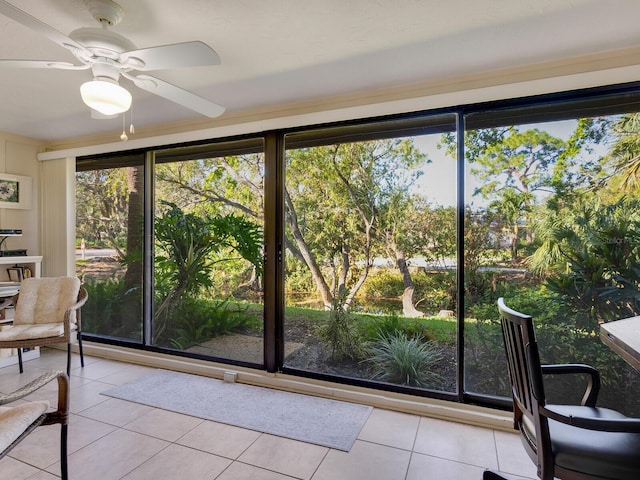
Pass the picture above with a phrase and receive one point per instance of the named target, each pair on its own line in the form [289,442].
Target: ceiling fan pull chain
[132,130]
[123,136]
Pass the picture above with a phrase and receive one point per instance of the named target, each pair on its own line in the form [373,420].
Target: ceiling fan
[111,56]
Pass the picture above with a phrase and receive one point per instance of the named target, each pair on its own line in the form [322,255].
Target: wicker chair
[17,421]
[47,312]
[569,442]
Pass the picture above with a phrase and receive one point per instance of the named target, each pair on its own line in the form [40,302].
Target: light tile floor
[114,439]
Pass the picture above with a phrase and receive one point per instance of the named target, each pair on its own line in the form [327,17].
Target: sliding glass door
[208,244]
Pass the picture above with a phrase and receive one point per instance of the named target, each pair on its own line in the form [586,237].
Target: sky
[438,182]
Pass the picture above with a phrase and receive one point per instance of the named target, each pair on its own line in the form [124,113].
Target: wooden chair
[47,312]
[569,442]
[18,421]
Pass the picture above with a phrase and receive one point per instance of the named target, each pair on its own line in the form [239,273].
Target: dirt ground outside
[99,264]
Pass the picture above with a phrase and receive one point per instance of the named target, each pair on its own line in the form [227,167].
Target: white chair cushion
[15,420]
[30,332]
[46,300]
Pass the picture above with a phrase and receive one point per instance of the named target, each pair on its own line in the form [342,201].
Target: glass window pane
[552,225]
[370,222]
[109,230]
[208,231]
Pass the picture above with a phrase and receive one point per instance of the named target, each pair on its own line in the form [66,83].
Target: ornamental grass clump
[340,334]
[406,361]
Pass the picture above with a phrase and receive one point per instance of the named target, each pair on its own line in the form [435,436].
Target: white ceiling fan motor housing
[105,11]
[102,42]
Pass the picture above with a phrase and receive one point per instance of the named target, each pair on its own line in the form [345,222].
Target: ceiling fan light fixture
[105,96]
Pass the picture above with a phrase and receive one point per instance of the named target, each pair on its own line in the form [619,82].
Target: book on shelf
[18,273]
[15,274]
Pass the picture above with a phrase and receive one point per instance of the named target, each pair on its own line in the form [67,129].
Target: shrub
[374,328]
[406,361]
[434,291]
[298,280]
[188,248]
[196,321]
[340,334]
[592,252]
[382,283]
[105,312]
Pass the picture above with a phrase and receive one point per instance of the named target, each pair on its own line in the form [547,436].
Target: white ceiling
[280,52]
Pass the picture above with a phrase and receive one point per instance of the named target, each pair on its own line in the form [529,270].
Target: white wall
[58,221]
[18,156]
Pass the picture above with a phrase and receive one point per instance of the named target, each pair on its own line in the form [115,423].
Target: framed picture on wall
[15,191]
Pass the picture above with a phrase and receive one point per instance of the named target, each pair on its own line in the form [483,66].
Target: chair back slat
[517,367]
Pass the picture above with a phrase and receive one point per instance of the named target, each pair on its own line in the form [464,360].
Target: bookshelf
[33,263]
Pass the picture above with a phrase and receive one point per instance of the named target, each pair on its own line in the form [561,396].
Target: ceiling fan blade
[41,64]
[187,54]
[48,31]
[177,95]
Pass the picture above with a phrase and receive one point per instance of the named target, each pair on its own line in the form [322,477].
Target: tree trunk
[135,185]
[316,274]
[365,270]
[408,308]
[131,307]
[514,242]
[344,270]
